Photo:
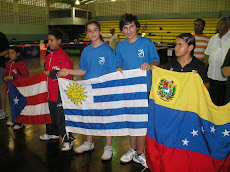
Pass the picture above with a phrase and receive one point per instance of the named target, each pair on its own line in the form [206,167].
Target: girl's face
[182,48]
[13,55]
[93,32]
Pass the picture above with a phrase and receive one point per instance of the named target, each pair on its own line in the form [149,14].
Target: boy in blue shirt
[132,53]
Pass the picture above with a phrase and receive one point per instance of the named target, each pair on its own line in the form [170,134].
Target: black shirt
[194,65]
[4,45]
[227,64]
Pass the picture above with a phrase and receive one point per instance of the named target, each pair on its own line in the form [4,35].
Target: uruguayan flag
[115,104]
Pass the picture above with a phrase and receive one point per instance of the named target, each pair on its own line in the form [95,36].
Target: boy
[132,53]
[55,61]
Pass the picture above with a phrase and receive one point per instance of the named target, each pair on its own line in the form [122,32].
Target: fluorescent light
[77,2]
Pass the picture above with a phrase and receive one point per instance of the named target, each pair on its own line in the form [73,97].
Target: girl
[186,61]
[15,68]
[97,59]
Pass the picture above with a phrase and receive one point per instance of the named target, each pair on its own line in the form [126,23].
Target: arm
[226,71]
[64,72]
[23,70]
[206,60]
[3,53]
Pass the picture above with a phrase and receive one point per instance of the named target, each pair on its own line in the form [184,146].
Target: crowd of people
[195,52]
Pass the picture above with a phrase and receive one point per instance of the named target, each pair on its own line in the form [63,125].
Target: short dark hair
[15,48]
[127,19]
[199,19]
[189,39]
[57,33]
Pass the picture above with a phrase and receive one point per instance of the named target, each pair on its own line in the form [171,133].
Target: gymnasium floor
[22,151]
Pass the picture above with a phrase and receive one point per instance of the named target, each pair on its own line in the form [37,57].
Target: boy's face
[130,31]
[182,49]
[13,55]
[53,42]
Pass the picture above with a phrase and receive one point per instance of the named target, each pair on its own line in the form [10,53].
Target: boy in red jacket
[55,61]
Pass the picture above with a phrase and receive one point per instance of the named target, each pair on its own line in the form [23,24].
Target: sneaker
[10,124]
[6,114]
[46,137]
[67,146]
[108,153]
[17,127]
[140,159]
[85,147]
[128,156]
[2,115]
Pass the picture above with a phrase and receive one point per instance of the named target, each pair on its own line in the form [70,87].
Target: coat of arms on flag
[28,100]
[115,104]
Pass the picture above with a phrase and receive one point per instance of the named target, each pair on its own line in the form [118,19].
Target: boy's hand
[47,73]
[145,66]
[6,78]
[119,69]
[63,73]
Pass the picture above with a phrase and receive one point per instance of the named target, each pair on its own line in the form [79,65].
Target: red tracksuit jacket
[55,61]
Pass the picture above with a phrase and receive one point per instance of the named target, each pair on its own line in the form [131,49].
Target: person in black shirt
[226,73]
[185,60]
[4,49]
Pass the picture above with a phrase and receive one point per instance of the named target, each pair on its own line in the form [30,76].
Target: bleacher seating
[161,30]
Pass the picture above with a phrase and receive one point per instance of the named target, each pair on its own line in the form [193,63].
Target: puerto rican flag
[28,100]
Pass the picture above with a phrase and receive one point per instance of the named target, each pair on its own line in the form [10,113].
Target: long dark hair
[96,23]
[189,39]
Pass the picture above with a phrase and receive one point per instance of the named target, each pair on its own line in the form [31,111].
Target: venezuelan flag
[186,131]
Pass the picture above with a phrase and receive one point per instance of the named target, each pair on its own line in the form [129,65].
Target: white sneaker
[128,156]
[17,127]
[140,159]
[108,153]
[46,137]
[85,147]
[2,115]
[67,146]
[10,124]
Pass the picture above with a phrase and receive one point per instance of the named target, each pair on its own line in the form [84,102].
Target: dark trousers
[217,91]
[57,127]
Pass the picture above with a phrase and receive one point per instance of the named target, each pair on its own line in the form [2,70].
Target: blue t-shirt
[97,61]
[133,55]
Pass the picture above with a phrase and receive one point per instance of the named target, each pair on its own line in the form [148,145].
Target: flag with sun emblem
[115,104]
[186,131]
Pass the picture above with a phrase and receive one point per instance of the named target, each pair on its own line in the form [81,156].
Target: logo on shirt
[56,68]
[166,89]
[102,60]
[141,53]
[15,71]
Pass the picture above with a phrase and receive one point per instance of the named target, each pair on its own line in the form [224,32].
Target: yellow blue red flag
[186,131]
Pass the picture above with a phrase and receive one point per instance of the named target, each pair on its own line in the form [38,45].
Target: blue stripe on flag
[121,82]
[103,126]
[107,112]
[180,124]
[118,97]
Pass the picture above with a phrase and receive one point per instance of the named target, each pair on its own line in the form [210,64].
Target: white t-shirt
[217,50]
